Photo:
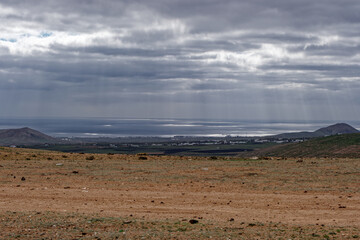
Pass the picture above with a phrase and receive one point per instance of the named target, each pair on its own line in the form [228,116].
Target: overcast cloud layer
[253,59]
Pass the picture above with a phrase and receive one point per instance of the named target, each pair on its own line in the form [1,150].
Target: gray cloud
[119,58]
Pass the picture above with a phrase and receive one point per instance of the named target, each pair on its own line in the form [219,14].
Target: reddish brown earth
[156,197]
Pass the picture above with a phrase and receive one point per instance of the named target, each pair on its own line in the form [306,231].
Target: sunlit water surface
[117,127]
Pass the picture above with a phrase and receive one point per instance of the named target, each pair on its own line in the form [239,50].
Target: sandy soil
[311,193]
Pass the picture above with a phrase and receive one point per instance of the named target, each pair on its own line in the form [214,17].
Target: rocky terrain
[47,195]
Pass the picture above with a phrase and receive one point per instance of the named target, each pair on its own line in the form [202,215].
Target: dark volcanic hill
[345,145]
[24,136]
[339,128]
[336,129]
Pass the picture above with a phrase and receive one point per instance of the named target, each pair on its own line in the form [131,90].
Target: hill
[339,128]
[345,145]
[24,136]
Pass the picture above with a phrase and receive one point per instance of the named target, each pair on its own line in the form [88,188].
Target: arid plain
[47,195]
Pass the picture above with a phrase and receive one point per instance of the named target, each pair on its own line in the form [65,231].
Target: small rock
[23,179]
[75,172]
[127,222]
[66,187]
[231,219]
[193,221]
[59,164]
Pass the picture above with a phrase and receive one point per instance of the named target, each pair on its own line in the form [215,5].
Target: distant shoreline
[117,127]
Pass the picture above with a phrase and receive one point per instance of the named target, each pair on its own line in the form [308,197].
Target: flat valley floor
[52,195]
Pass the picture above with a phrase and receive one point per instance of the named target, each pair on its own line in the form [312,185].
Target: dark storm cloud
[129,69]
[118,51]
[316,67]
[265,54]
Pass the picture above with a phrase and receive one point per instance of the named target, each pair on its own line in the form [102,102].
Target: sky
[229,59]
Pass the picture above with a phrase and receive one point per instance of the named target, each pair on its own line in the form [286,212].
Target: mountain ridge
[24,136]
[335,129]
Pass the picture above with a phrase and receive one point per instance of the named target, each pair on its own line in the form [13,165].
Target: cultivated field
[52,195]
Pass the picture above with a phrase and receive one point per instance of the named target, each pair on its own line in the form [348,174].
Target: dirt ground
[50,195]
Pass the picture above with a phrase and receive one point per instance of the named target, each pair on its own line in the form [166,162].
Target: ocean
[123,127]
